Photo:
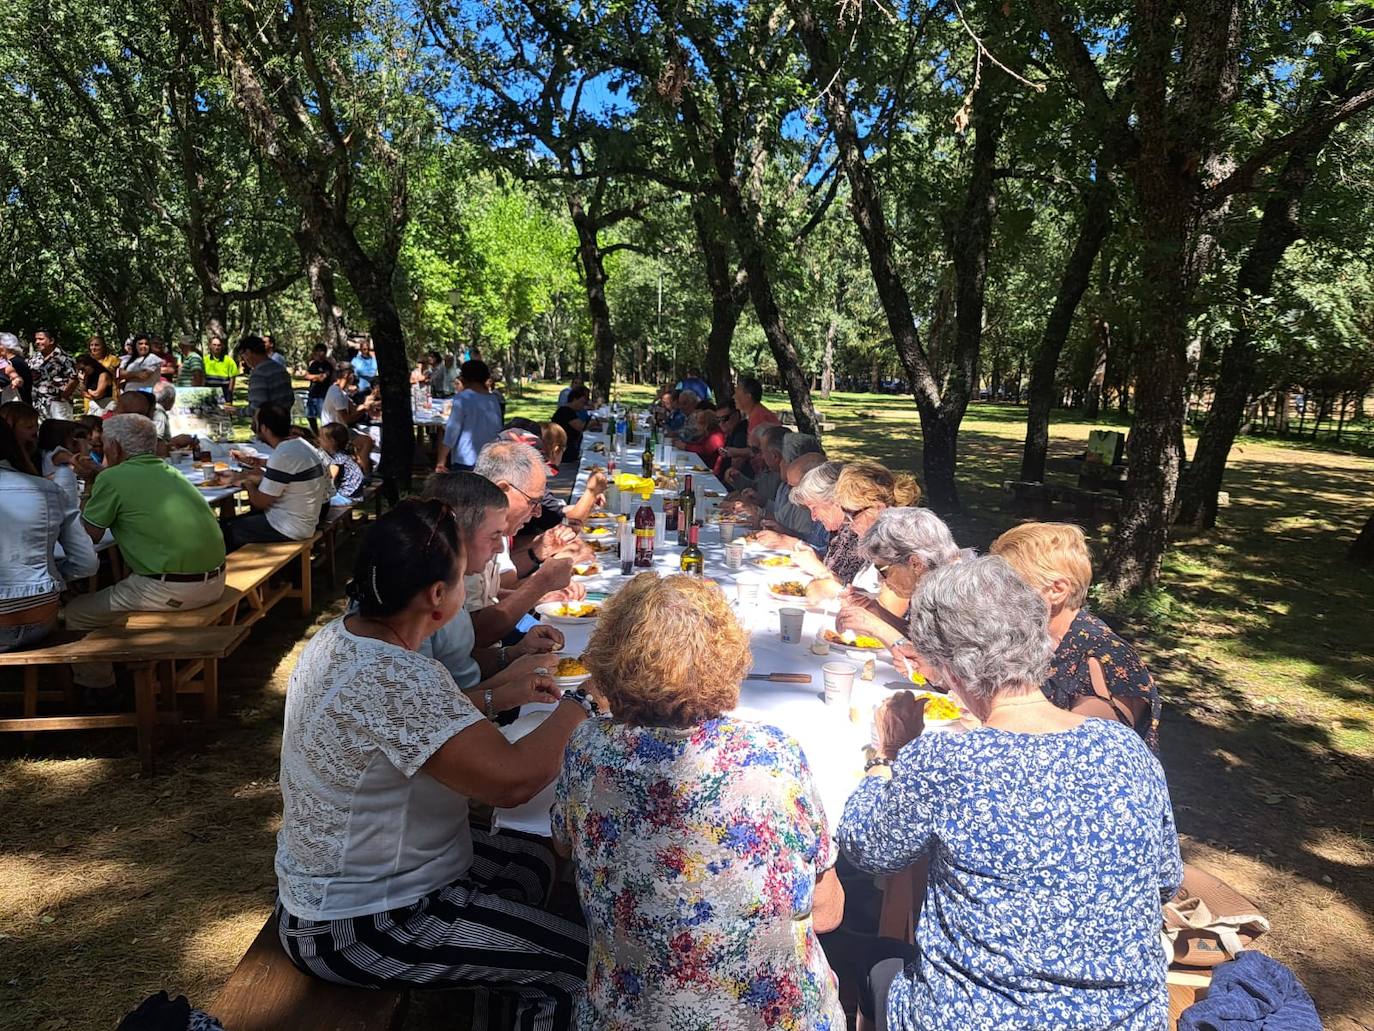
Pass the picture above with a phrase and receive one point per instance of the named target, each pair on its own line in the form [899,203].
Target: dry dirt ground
[113,886]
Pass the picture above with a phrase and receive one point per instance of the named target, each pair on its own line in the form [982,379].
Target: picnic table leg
[145,712]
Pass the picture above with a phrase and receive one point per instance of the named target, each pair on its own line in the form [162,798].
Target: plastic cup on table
[790,624]
[838,678]
[727,533]
[734,552]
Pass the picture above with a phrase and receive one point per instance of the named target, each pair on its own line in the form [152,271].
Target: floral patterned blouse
[1049,857]
[696,855]
[843,557]
[1122,669]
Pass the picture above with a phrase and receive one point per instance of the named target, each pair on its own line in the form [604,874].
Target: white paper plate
[549,610]
[591,535]
[600,572]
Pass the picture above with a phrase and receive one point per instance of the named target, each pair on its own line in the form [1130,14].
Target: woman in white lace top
[381,879]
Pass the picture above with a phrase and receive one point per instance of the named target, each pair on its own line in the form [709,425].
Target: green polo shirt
[160,521]
[190,365]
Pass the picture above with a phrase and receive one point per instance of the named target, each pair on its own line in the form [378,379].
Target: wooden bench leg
[145,713]
[329,558]
[209,676]
[306,584]
[30,696]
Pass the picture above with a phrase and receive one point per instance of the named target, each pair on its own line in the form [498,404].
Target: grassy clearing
[115,886]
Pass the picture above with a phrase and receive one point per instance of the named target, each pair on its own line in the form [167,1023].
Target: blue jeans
[24,635]
[313,407]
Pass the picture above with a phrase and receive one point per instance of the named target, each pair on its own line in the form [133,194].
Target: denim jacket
[36,513]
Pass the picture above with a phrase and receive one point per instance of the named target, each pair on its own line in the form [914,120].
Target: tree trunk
[728,296]
[594,281]
[828,369]
[1278,228]
[940,416]
[1097,220]
[1172,255]
[319,278]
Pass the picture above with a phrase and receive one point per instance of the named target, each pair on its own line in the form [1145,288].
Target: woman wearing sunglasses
[847,500]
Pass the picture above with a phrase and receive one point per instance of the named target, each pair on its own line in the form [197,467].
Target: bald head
[799,467]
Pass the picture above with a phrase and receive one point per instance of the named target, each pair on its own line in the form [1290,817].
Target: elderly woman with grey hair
[904,544]
[1050,835]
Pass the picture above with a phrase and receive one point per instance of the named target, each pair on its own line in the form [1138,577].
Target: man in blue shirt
[365,365]
[693,382]
[474,419]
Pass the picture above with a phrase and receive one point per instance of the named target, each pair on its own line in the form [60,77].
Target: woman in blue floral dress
[1050,834]
[702,856]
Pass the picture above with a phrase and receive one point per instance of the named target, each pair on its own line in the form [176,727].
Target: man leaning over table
[289,494]
[166,534]
[501,594]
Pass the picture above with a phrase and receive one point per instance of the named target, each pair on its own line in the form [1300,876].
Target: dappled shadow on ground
[117,885]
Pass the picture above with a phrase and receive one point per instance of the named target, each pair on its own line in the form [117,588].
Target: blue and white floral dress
[1050,854]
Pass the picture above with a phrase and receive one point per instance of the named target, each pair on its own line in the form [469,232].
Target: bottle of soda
[693,562]
[644,532]
[686,509]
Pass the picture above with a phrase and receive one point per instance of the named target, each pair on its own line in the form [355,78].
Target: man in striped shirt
[289,493]
[268,382]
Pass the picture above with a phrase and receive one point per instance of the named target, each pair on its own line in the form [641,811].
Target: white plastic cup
[790,622]
[727,532]
[627,503]
[838,678]
[734,553]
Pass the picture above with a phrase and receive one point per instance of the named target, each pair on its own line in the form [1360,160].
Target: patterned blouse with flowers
[1125,674]
[843,557]
[697,853]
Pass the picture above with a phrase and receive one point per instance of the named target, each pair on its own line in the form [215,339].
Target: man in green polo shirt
[166,533]
[191,372]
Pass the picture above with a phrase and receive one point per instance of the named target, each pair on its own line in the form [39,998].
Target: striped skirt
[485,932]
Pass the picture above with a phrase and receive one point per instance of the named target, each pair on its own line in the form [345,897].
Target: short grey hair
[165,394]
[135,434]
[794,445]
[900,533]
[982,625]
[9,342]
[470,496]
[770,436]
[509,461]
[818,484]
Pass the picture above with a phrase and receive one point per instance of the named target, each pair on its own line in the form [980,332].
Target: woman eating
[37,514]
[1093,672]
[701,851]
[382,881]
[903,544]
[846,499]
[1050,835]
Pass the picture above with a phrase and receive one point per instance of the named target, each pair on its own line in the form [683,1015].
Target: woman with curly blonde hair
[703,860]
[846,499]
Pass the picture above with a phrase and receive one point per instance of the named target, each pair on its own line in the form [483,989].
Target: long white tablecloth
[832,738]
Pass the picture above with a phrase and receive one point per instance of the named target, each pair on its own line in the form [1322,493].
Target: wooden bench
[267,993]
[139,649]
[336,521]
[1038,500]
[250,570]
[199,676]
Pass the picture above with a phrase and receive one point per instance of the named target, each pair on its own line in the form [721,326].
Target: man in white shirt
[289,494]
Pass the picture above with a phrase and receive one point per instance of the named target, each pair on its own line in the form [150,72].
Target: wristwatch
[501,656]
[486,704]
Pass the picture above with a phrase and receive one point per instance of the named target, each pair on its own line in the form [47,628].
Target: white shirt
[297,475]
[336,402]
[363,829]
[484,588]
[143,372]
[474,420]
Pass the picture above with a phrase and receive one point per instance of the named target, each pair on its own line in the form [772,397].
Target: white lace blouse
[363,830]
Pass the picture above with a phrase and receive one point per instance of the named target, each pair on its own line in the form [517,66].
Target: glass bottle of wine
[693,563]
[686,509]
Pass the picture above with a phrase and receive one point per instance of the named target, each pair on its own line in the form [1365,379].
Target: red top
[761,416]
[708,447]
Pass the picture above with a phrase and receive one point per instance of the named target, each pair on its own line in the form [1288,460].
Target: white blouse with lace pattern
[363,829]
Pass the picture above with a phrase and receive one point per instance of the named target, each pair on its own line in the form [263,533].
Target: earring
[436,615]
